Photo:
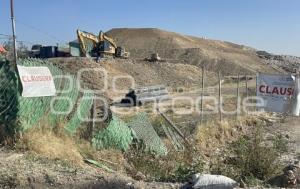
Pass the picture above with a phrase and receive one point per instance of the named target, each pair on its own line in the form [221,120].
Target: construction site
[143,108]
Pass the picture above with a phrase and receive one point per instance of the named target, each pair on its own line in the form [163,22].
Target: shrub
[175,167]
[252,159]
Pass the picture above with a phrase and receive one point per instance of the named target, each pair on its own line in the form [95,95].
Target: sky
[270,25]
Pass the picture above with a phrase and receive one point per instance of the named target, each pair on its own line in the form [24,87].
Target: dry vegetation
[52,143]
[235,148]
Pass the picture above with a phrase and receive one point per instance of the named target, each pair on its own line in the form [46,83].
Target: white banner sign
[279,92]
[36,81]
[296,107]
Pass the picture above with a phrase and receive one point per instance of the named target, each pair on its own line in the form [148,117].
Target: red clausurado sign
[277,92]
[36,81]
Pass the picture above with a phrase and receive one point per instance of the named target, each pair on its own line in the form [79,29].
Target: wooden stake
[238,96]
[220,96]
[202,94]
[247,94]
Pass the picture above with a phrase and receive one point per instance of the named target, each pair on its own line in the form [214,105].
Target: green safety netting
[82,113]
[117,136]
[144,132]
[69,106]
[8,95]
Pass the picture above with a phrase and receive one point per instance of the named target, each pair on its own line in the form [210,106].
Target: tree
[22,49]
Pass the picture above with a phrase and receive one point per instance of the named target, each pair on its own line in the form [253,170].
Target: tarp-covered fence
[69,105]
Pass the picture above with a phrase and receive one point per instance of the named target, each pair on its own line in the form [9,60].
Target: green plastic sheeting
[117,136]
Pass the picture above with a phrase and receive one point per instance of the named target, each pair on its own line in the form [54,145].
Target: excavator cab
[106,47]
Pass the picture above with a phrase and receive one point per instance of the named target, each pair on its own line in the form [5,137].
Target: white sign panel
[277,91]
[296,107]
[36,81]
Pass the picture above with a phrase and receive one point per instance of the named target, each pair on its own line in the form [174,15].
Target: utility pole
[13,24]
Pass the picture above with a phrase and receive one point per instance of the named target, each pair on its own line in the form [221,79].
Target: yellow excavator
[102,45]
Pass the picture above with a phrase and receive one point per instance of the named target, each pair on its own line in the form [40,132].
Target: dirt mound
[176,48]
[123,72]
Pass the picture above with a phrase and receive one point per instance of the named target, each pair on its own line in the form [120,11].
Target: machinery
[102,45]
[154,58]
[35,51]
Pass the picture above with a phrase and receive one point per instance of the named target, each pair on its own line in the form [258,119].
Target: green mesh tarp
[67,107]
[8,94]
[82,113]
[117,136]
[145,133]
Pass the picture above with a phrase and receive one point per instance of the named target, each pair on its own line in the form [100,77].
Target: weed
[251,160]
[175,167]
[280,143]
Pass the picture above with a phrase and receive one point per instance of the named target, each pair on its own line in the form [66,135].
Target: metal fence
[19,113]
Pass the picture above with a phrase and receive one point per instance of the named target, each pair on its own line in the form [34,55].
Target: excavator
[102,45]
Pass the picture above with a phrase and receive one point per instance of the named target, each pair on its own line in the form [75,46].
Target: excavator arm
[82,35]
[103,37]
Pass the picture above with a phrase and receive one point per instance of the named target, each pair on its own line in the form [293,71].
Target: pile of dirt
[221,56]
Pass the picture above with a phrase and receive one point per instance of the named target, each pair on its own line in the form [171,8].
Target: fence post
[247,94]
[220,96]
[202,94]
[256,85]
[93,119]
[238,96]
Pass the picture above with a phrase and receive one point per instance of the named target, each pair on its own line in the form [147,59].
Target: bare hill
[142,73]
[221,56]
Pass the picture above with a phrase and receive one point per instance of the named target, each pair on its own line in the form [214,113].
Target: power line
[5,35]
[40,31]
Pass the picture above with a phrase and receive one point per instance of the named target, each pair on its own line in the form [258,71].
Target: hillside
[221,56]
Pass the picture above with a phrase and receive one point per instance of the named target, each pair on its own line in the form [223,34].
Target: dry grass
[112,158]
[215,134]
[51,143]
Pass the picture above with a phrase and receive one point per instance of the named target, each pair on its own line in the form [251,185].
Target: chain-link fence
[19,114]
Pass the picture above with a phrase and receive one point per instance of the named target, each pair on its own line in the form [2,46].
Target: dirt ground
[23,170]
[291,127]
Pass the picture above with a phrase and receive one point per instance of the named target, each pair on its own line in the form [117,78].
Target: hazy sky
[272,25]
